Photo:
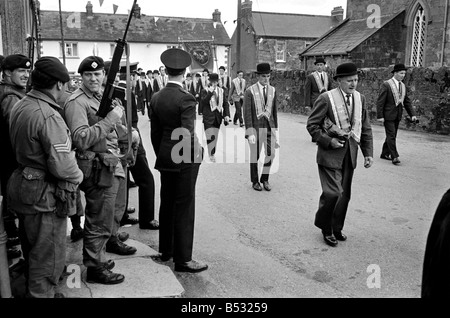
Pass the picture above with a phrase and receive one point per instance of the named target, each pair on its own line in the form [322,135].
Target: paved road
[264,244]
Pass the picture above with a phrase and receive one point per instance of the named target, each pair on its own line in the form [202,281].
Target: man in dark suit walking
[391,100]
[216,109]
[316,83]
[261,123]
[141,93]
[173,113]
[345,108]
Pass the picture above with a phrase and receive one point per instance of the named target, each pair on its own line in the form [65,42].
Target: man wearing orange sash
[337,153]
[316,83]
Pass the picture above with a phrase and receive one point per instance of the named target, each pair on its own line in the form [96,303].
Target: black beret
[91,64]
[52,67]
[13,61]
[176,59]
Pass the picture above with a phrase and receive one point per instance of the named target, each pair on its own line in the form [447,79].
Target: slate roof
[345,37]
[291,25]
[105,27]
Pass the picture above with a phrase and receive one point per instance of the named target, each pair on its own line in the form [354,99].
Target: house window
[418,40]
[112,47]
[280,48]
[71,49]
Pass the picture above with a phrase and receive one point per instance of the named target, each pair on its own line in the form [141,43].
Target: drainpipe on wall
[444,35]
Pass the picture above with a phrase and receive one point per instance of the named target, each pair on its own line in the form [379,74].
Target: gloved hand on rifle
[116,114]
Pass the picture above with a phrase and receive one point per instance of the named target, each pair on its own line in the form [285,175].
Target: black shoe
[152,225]
[120,248]
[12,241]
[76,234]
[386,157]
[13,252]
[330,239]
[242,125]
[396,161]
[101,275]
[161,257]
[131,210]
[190,267]
[128,220]
[123,236]
[257,186]
[266,185]
[109,265]
[340,236]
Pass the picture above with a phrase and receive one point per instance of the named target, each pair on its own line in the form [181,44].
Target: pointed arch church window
[419,35]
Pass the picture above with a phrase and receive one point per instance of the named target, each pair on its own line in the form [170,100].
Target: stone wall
[428,89]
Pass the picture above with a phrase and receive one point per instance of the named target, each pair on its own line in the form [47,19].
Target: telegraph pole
[62,34]
[238,35]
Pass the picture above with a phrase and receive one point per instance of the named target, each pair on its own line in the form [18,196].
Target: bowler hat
[399,68]
[176,59]
[222,68]
[320,60]
[213,77]
[346,69]
[263,68]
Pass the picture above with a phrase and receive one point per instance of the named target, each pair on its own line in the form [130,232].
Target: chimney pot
[216,15]
[137,11]
[89,11]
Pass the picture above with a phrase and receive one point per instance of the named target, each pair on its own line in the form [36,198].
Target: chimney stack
[337,14]
[90,13]
[216,16]
[247,10]
[137,11]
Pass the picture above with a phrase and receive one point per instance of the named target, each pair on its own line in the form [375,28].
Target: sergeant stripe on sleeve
[65,147]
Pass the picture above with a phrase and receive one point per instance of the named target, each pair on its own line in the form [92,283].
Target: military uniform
[96,140]
[41,191]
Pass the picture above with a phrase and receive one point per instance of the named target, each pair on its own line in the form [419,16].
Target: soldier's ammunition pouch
[66,199]
[104,167]
[85,162]
[32,185]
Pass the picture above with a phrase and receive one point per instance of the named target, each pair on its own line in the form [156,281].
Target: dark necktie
[321,76]
[265,95]
[400,88]
[240,84]
[349,105]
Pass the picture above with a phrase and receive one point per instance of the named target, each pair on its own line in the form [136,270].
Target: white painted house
[89,33]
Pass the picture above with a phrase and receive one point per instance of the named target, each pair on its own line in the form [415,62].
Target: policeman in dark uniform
[42,190]
[173,112]
[96,141]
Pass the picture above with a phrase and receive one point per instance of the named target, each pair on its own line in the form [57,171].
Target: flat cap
[176,59]
[13,61]
[91,64]
[52,67]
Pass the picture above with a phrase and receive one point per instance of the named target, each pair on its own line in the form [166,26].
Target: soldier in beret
[173,112]
[96,140]
[16,71]
[43,188]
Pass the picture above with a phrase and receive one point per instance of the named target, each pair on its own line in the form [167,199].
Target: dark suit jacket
[312,90]
[250,119]
[197,90]
[386,104]
[149,92]
[141,93]
[210,116]
[435,276]
[173,107]
[327,156]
